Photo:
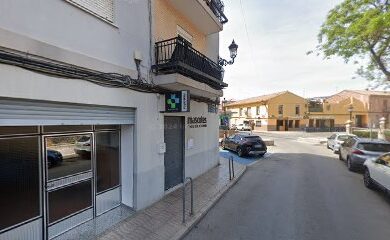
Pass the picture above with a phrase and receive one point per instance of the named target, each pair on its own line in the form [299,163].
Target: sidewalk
[163,220]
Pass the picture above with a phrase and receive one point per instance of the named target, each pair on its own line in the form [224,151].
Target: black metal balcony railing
[176,55]
[217,7]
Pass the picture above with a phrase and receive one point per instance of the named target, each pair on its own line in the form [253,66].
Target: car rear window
[344,137]
[252,137]
[375,147]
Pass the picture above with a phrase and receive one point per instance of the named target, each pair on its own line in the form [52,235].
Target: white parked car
[243,127]
[335,141]
[83,147]
[377,172]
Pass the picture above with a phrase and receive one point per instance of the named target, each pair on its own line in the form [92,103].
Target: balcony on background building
[207,15]
[184,66]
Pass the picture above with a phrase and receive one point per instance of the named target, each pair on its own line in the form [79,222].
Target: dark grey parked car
[245,144]
[355,151]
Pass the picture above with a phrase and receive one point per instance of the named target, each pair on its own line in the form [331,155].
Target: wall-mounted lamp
[233,54]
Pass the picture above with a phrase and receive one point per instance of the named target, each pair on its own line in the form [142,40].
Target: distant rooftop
[261,98]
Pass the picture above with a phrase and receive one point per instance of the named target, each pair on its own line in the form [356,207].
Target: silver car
[355,151]
[334,142]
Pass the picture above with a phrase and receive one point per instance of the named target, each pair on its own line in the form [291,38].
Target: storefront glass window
[67,128]
[69,200]
[10,130]
[107,160]
[67,155]
[19,180]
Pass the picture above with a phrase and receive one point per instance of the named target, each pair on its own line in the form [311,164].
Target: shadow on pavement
[247,160]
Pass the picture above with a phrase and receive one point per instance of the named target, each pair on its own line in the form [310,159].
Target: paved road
[303,192]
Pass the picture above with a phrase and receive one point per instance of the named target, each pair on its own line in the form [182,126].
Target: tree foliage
[359,31]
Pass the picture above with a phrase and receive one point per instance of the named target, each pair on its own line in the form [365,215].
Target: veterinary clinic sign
[177,101]
[197,122]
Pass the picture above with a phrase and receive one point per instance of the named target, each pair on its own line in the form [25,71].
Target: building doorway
[286,125]
[279,124]
[174,154]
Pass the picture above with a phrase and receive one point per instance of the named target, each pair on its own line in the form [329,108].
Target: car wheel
[349,165]
[368,180]
[240,153]
[261,154]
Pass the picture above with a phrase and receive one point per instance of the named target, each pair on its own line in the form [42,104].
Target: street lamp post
[350,110]
[233,54]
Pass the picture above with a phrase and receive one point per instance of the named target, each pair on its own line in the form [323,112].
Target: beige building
[282,111]
[363,107]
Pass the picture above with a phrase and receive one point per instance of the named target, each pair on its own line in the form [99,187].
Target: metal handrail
[231,168]
[178,55]
[184,198]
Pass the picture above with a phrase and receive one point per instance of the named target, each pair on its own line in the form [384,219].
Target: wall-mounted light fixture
[233,54]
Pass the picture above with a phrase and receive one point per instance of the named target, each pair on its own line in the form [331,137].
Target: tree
[359,31]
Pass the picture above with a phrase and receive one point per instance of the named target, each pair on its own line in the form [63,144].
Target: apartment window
[297,110]
[385,105]
[297,123]
[103,9]
[280,109]
[241,111]
[258,123]
[258,110]
[248,111]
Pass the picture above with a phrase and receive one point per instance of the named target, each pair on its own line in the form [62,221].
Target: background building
[281,111]
[363,107]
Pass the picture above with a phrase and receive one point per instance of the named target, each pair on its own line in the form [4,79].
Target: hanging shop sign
[197,122]
[177,101]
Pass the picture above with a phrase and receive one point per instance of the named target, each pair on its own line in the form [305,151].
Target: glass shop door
[69,181]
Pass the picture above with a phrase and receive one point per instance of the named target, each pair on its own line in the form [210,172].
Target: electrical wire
[247,35]
[57,69]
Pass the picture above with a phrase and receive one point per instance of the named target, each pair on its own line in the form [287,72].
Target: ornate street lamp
[233,54]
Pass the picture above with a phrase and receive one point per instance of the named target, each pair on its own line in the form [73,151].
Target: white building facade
[83,127]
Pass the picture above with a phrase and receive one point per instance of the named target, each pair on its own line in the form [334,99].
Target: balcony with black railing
[176,55]
[217,6]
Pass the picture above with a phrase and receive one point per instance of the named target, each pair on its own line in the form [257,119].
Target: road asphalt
[300,192]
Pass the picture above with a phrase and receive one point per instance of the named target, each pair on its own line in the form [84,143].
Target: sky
[273,46]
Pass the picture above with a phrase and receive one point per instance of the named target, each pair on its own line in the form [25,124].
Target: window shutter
[101,8]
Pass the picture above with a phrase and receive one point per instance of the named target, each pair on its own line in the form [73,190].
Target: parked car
[355,151]
[245,144]
[334,142]
[243,127]
[233,127]
[224,127]
[54,158]
[377,172]
[83,147]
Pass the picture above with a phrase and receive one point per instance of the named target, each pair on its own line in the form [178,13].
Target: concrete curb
[199,216]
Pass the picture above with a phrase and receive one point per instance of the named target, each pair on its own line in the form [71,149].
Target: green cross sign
[173,101]
[177,101]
